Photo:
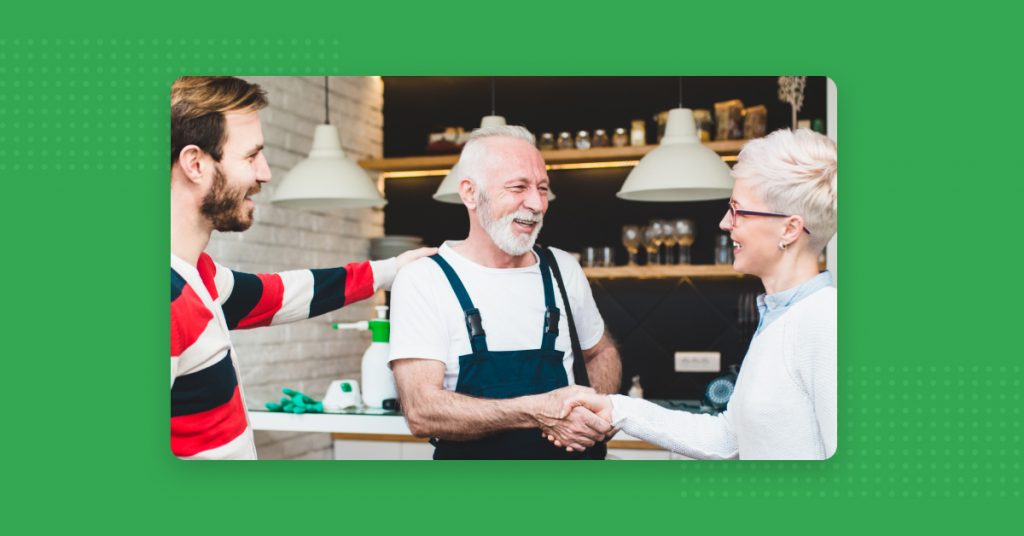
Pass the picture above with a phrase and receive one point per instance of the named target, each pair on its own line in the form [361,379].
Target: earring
[782,245]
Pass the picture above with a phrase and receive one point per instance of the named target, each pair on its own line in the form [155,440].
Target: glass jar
[565,140]
[702,118]
[723,249]
[638,134]
[547,141]
[600,138]
[583,140]
[755,121]
[620,138]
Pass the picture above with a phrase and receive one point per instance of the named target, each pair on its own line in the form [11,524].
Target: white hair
[474,154]
[795,173]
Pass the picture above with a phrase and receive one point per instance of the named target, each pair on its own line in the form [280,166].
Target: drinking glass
[669,238]
[607,256]
[684,231]
[659,233]
[723,249]
[631,239]
[651,239]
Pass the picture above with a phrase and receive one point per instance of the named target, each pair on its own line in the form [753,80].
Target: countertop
[377,422]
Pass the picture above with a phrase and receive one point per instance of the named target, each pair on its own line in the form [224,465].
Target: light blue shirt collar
[773,306]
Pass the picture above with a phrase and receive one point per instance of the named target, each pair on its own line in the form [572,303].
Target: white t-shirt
[428,322]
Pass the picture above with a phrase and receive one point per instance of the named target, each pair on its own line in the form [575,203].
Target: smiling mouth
[526,223]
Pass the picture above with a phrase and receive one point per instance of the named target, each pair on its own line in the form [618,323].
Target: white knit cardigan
[784,404]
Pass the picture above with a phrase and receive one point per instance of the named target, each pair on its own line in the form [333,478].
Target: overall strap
[474,324]
[579,367]
[551,313]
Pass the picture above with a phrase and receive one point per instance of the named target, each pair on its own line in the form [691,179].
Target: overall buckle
[551,317]
[474,323]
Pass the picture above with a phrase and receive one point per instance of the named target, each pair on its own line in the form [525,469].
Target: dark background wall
[650,319]
[416,106]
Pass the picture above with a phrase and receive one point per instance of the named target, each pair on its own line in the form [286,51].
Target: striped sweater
[208,416]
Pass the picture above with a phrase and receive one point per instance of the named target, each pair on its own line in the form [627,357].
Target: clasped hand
[576,418]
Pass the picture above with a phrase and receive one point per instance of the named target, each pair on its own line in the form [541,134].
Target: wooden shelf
[662,272]
[554,159]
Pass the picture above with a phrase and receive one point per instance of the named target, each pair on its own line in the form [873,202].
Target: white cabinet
[348,449]
[417,451]
[359,449]
[387,437]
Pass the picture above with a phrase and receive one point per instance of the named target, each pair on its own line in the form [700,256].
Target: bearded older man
[480,342]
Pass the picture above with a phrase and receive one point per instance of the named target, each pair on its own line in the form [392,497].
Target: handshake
[575,418]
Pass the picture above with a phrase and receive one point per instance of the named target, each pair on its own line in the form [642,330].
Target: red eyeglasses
[733,212]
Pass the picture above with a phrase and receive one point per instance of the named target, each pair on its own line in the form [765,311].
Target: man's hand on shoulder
[414,254]
[384,271]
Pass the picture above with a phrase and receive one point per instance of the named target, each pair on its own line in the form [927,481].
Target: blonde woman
[781,215]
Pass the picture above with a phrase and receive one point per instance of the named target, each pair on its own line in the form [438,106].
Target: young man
[217,165]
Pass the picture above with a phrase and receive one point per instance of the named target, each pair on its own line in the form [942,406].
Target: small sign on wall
[698,361]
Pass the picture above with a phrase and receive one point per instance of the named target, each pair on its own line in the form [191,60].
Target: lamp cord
[680,91]
[492,96]
[327,114]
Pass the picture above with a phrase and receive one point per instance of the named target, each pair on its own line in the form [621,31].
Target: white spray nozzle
[382,312]
[362,325]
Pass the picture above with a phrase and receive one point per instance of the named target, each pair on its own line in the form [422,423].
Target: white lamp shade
[492,121]
[327,179]
[448,191]
[680,168]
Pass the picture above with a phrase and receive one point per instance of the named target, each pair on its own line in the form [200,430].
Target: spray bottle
[378,381]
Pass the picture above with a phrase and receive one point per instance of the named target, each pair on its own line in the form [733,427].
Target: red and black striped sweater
[208,416]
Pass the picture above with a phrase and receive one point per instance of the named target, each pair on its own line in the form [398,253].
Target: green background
[929,391]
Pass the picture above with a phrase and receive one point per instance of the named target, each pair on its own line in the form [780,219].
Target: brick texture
[307,355]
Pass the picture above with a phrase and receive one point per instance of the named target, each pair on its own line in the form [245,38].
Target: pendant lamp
[681,168]
[327,179]
[448,191]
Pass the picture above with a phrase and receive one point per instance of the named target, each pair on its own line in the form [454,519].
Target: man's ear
[467,191]
[190,162]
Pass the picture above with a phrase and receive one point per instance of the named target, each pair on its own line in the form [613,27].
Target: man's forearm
[605,370]
[447,415]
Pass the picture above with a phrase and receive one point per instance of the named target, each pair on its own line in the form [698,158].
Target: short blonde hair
[794,172]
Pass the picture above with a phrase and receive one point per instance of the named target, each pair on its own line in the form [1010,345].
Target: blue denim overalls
[488,374]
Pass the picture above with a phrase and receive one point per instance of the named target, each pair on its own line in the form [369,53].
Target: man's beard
[500,230]
[223,206]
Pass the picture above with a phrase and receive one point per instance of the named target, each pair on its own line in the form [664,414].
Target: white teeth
[736,244]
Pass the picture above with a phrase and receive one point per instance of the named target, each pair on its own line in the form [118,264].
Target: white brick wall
[307,355]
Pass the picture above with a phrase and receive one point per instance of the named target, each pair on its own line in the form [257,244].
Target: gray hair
[474,153]
[794,172]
